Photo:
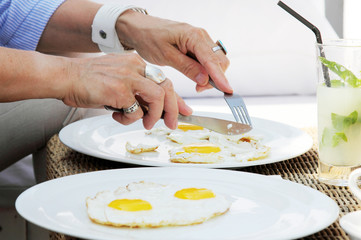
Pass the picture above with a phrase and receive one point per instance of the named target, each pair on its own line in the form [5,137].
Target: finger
[215,64]
[184,109]
[170,105]
[153,95]
[127,118]
[189,66]
[203,88]
[203,64]
[201,45]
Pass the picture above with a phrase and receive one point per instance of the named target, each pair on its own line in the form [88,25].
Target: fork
[234,101]
[236,104]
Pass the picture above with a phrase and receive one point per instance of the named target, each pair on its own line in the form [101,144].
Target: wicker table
[63,161]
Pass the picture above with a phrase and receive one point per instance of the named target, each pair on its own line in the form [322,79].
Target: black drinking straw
[316,32]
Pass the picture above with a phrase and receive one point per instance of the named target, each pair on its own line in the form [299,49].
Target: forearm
[27,75]
[69,29]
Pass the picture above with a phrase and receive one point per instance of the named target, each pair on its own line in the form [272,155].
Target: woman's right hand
[118,80]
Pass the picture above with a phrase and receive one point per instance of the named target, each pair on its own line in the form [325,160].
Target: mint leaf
[340,123]
[332,138]
[337,83]
[342,72]
[337,137]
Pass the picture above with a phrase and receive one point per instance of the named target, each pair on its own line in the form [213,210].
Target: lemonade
[339,125]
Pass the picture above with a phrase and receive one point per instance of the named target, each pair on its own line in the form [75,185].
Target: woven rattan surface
[63,161]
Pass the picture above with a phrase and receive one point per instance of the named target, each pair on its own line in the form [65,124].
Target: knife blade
[215,124]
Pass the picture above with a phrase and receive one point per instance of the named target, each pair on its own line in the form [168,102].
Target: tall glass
[339,109]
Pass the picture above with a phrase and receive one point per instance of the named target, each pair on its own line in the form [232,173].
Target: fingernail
[199,89]
[201,78]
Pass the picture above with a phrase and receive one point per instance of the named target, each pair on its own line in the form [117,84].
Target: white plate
[263,207]
[351,223]
[105,138]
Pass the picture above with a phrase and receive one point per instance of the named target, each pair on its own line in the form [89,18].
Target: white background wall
[352,19]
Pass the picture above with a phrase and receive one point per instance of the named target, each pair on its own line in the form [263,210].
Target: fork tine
[235,114]
[247,115]
[237,106]
[248,118]
[240,113]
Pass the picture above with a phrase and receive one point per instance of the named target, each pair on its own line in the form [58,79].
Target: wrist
[126,30]
[55,74]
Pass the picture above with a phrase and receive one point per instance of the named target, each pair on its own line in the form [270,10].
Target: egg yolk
[197,148]
[130,205]
[194,193]
[186,127]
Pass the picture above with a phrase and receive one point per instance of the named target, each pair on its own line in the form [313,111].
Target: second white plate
[263,207]
[105,138]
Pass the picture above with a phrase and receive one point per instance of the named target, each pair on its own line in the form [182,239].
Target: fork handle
[213,84]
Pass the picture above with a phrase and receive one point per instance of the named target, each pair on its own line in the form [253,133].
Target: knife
[215,124]
[218,125]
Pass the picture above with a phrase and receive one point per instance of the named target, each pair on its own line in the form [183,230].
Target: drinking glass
[339,109]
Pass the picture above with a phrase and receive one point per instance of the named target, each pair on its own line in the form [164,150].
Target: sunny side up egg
[145,204]
[196,153]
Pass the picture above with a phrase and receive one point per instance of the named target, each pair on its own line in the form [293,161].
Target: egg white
[167,210]
[190,136]
[140,148]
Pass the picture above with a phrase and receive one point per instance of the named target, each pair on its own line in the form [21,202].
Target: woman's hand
[165,42]
[118,80]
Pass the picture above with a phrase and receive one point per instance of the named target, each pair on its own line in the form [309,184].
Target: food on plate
[147,204]
[196,153]
[189,136]
[194,144]
[140,148]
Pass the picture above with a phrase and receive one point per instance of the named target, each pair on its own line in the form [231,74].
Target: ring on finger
[220,46]
[154,74]
[132,108]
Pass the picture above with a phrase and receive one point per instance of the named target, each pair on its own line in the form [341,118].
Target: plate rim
[347,227]
[66,142]
[312,191]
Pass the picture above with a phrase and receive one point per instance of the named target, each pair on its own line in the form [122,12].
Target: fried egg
[196,153]
[140,148]
[146,204]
